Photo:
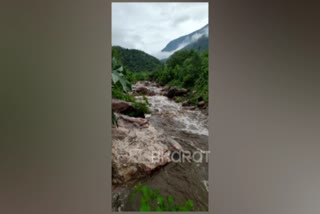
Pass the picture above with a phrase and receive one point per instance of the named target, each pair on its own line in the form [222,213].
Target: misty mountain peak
[189,41]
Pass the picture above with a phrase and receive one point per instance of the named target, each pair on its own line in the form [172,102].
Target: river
[184,179]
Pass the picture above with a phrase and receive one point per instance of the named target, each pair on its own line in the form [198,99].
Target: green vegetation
[120,88]
[119,82]
[118,76]
[151,200]
[186,69]
[141,109]
[135,60]
[200,45]
[134,77]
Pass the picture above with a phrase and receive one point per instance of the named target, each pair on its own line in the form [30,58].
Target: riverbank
[169,127]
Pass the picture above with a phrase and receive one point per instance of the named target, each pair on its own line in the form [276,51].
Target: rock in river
[138,149]
[120,106]
[201,104]
[174,91]
[142,90]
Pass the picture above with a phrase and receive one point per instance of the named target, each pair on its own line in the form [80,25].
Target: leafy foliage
[141,109]
[152,200]
[120,88]
[118,93]
[185,68]
[188,69]
[135,60]
[117,76]
[134,76]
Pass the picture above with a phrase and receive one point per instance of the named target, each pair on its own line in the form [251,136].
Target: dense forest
[184,69]
[135,60]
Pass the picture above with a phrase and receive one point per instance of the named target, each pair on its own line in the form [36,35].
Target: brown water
[183,180]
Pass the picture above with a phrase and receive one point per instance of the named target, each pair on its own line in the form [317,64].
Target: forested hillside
[186,69]
[135,60]
[200,45]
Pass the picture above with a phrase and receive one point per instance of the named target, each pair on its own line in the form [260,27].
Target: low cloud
[151,26]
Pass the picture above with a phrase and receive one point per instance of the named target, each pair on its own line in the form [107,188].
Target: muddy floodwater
[183,179]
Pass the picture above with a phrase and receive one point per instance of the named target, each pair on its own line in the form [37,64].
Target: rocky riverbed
[142,149]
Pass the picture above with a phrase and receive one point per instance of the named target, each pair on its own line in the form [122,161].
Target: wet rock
[174,91]
[137,151]
[165,89]
[186,103]
[147,83]
[190,107]
[142,90]
[119,133]
[174,144]
[121,106]
[201,104]
[154,84]
[139,122]
[164,93]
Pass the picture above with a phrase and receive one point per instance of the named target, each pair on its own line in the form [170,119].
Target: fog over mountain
[151,26]
[197,40]
[183,41]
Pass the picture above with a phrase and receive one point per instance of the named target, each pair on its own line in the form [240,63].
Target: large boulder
[143,90]
[174,91]
[201,104]
[138,148]
[186,103]
[165,89]
[136,121]
[120,106]
[147,83]
[164,93]
[127,108]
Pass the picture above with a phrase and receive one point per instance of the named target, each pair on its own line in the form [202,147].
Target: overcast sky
[151,26]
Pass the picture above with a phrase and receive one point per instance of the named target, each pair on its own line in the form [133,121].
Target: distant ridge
[195,40]
[136,60]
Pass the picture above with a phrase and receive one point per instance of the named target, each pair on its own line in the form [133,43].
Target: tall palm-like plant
[117,76]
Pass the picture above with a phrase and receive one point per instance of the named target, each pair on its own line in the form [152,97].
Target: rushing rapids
[184,179]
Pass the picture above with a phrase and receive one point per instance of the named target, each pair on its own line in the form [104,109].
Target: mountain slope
[136,60]
[200,45]
[199,36]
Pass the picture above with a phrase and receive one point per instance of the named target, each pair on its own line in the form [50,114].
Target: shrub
[152,200]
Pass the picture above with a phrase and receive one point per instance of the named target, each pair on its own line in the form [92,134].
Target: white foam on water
[192,125]
[190,121]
